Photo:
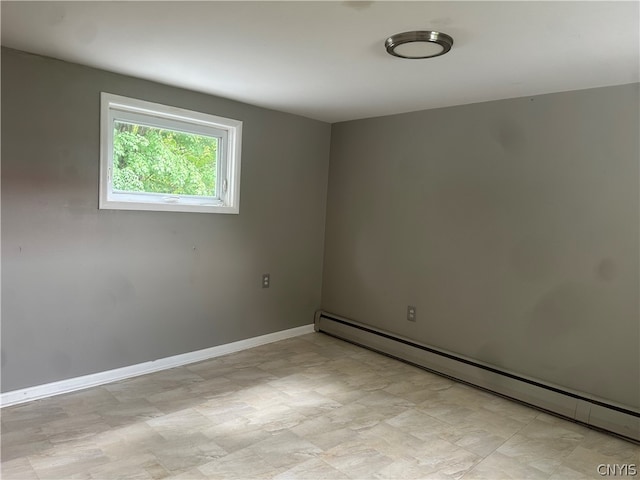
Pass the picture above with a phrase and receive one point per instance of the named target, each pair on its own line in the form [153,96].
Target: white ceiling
[326,60]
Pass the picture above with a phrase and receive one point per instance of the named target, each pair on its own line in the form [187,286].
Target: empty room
[320,240]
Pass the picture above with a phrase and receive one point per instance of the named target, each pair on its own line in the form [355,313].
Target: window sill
[159,202]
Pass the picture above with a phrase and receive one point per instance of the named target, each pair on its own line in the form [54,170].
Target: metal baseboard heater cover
[573,405]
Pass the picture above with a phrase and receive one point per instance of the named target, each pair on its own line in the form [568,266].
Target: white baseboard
[79,383]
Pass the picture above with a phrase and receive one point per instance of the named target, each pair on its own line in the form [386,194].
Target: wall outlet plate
[411,313]
[266,280]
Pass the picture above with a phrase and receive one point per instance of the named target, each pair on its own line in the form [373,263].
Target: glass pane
[155,160]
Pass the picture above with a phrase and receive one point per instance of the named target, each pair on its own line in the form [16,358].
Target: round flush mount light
[419,44]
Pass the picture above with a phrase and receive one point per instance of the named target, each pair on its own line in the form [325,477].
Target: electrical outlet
[411,313]
[266,280]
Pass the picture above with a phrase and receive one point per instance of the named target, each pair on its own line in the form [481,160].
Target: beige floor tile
[243,464]
[397,443]
[586,460]
[356,459]
[31,415]
[222,410]
[188,452]
[18,469]
[610,446]
[404,469]
[432,455]
[509,408]
[76,427]
[338,391]
[20,444]
[193,474]
[381,400]
[285,450]
[499,466]
[306,407]
[147,385]
[566,473]
[316,425]
[68,461]
[333,438]
[129,440]
[541,445]
[275,418]
[312,469]
[475,439]
[492,422]
[129,412]
[543,455]
[355,416]
[175,424]
[419,424]
[236,434]
[143,467]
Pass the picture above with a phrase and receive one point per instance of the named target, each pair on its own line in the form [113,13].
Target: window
[155,157]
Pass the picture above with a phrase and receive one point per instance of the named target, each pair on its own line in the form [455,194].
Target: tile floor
[309,407]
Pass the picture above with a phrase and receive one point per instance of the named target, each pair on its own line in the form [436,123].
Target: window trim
[118,108]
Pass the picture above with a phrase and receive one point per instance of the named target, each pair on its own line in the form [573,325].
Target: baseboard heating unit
[577,406]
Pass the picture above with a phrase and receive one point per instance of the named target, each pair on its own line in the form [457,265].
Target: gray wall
[85,290]
[511,225]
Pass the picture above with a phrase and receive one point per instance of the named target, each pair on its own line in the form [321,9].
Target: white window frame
[229,133]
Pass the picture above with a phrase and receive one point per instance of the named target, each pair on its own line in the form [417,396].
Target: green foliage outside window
[154,160]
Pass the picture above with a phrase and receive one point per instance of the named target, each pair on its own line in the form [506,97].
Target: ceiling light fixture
[419,44]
